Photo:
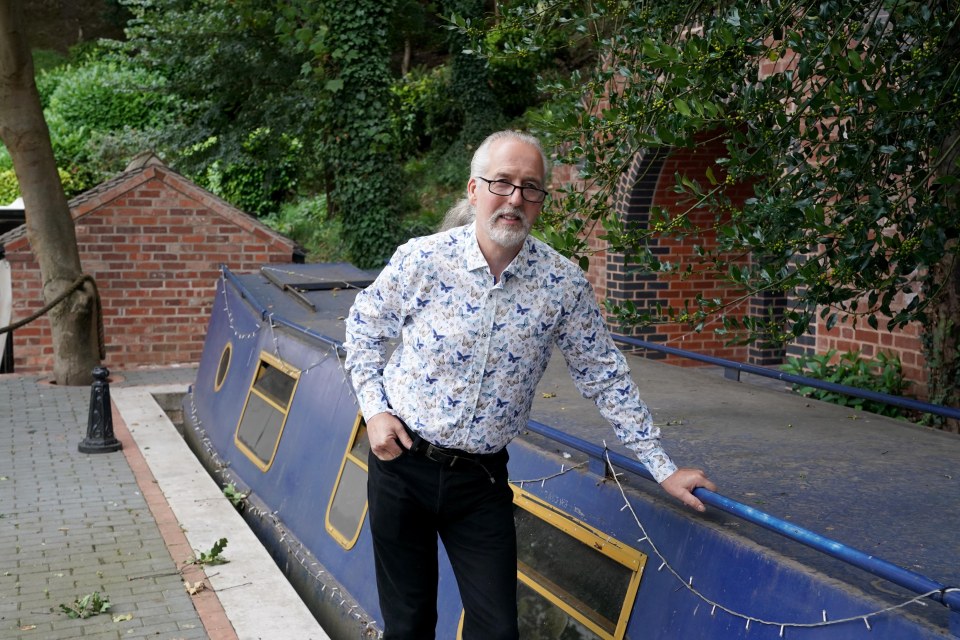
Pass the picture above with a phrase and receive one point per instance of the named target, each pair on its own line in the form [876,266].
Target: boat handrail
[905,578]
[732,365]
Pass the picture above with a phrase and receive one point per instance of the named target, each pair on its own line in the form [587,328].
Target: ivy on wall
[357,146]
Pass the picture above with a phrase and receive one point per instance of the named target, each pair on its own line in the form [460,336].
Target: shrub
[307,223]
[883,374]
[10,187]
[425,116]
[100,114]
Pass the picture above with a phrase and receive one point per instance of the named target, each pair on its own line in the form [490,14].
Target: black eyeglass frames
[504,188]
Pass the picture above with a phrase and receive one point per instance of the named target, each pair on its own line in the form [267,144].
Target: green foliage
[424,114]
[357,143]
[236,497]
[214,555]
[883,374]
[840,117]
[243,104]
[100,114]
[261,178]
[307,222]
[103,95]
[10,187]
[92,604]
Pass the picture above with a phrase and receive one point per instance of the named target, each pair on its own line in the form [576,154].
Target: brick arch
[649,182]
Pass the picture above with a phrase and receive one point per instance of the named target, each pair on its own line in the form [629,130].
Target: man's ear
[472,191]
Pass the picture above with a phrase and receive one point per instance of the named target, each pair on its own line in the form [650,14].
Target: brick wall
[154,242]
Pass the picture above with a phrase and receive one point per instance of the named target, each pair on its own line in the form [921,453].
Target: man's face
[506,220]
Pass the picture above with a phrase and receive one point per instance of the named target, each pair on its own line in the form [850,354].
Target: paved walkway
[72,524]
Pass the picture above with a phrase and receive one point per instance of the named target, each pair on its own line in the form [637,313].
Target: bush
[10,187]
[261,176]
[883,375]
[100,114]
[425,116]
[104,96]
[307,223]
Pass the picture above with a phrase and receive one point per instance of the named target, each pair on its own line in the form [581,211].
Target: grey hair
[481,157]
[460,214]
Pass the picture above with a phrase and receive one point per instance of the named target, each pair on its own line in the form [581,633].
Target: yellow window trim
[597,540]
[342,540]
[278,364]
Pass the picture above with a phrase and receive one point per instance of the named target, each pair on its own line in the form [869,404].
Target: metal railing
[915,582]
[730,365]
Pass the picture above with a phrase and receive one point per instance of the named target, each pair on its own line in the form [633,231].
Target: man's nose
[516,198]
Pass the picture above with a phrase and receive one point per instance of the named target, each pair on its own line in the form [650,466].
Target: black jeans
[412,500]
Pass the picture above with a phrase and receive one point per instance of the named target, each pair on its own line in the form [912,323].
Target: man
[478,310]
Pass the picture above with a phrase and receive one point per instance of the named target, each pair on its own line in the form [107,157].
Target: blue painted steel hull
[758,593]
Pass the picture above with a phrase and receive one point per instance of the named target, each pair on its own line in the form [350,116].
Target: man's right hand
[387,436]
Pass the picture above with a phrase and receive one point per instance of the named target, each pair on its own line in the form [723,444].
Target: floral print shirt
[472,350]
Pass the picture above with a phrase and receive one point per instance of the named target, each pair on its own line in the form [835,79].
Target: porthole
[224,366]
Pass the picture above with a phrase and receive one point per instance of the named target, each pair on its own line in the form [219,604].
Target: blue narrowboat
[603,553]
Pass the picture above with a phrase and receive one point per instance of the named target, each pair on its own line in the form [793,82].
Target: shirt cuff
[659,464]
[372,400]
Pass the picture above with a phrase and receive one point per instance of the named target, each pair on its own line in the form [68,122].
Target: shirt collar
[521,266]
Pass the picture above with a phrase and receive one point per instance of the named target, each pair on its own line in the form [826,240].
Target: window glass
[274,384]
[541,619]
[265,412]
[348,504]
[574,581]
[223,367]
[578,574]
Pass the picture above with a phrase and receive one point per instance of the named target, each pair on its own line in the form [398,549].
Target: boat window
[574,581]
[348,505]
[224,366]
[265,411]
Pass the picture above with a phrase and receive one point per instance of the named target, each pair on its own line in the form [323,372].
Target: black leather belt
[443,455]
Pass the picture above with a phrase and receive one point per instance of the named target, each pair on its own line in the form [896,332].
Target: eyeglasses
[504,188]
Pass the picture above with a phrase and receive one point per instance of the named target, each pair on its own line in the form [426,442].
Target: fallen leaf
[123,618]
[28,627]
[549,395]
[193,588]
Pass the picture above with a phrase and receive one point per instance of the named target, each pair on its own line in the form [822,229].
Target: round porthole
[223,367]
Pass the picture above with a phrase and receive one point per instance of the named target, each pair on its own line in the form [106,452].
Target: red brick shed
[154,242]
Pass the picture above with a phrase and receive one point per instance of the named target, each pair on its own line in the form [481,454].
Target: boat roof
[884,486]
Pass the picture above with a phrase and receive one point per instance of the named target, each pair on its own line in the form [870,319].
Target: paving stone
[74,523]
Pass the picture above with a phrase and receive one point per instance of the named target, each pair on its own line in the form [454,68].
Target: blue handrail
[895,401]
[913,581]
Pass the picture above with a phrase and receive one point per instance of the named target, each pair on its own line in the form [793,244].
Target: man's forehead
[514,157]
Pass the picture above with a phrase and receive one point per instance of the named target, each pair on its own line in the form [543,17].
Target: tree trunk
[50,227]
[941,339]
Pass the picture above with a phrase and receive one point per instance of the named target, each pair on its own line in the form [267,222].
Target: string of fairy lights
[687,583]
[240,335]
[307,562]
[327,583]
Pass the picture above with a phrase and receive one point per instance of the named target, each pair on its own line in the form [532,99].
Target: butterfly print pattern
[472,350]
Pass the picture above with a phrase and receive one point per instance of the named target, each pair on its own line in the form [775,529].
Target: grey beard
[508,238]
